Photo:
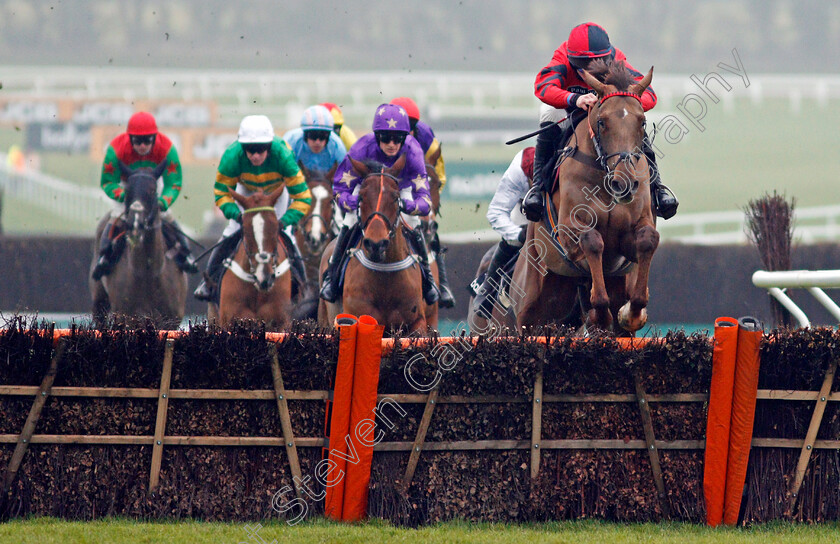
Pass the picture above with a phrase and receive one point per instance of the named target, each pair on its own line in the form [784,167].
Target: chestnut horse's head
[317,223]
[379,205]
[142,212]
[259,234]
[617,126]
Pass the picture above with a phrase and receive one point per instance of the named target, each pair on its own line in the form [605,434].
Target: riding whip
[532,134]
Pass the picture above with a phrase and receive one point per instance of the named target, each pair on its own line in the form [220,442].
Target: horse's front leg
[633,315]
[592,245]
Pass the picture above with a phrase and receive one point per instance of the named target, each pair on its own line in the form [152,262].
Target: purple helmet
[392,118]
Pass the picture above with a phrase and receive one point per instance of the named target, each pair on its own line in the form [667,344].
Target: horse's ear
[125,169]
[158,171]
[398,166]
[331,172]
[360,167]
[590,80]
[641,86]
[237,197]
[275,194]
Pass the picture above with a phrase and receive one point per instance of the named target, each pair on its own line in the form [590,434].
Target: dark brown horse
[602,234]
[257,283]
[143,283]
[382,278]
[312,233]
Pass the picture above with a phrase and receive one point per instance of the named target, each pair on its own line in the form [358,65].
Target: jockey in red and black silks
[141,145]
[559,84]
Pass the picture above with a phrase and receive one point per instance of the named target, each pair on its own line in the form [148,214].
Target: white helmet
[550,115]
[256,129]
[316,118]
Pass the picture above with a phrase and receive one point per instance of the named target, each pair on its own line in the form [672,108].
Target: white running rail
[811,225]
[814,281]
[69,200]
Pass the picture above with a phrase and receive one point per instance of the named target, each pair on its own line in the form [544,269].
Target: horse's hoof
[626,320]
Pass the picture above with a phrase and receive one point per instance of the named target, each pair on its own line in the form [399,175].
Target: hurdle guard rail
[814,281]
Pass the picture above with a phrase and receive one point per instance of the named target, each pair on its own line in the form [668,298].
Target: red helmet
[338,117]
[409,106]
[142,123]
[589,41]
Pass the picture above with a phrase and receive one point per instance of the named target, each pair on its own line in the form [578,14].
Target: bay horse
[312,234]
[382,278]
[258,282]
[603,234]
[144,282]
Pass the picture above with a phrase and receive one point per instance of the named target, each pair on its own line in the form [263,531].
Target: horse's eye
[601,123]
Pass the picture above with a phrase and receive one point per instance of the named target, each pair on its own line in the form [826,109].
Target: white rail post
[812,280]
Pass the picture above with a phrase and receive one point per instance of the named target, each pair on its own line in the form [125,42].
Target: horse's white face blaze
[138,212]
[264,271]
[318,230]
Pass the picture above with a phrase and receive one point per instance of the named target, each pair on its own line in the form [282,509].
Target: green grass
[48,531]
[740,155]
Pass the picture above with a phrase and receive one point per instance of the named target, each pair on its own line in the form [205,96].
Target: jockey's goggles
[388,136]
[323,135]
[255,149]
[142,140]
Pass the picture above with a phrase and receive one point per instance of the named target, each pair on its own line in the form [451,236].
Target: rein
[259,209]
[376,214]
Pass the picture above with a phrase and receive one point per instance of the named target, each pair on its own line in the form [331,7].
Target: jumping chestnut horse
[382,278]
[600,228]
[143,283]
[257,283]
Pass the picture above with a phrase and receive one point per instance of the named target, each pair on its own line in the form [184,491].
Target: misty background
[468,35]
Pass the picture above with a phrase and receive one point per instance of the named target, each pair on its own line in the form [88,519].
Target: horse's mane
[374,165]
[612,73]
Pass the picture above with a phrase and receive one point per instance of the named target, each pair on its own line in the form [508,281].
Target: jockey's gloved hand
[409,206]
[162,204]
[231,211]
[351,202]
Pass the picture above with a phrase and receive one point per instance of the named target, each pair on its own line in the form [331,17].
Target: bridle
[623,156]
[151,221]
[259,257]
[376,214]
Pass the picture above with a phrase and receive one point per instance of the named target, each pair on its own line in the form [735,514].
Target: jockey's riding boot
[486,294]
[447,299]
[206,291]
[663,198]
[332,275]
[106,252]
[177,240]
[547,141]
[431,294]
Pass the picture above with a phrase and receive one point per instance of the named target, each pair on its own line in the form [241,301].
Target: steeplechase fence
[231,425]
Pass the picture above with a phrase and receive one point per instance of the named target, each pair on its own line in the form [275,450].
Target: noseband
[376,214]
[623,156]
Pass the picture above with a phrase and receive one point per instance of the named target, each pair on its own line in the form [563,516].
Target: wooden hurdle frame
[290,442]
